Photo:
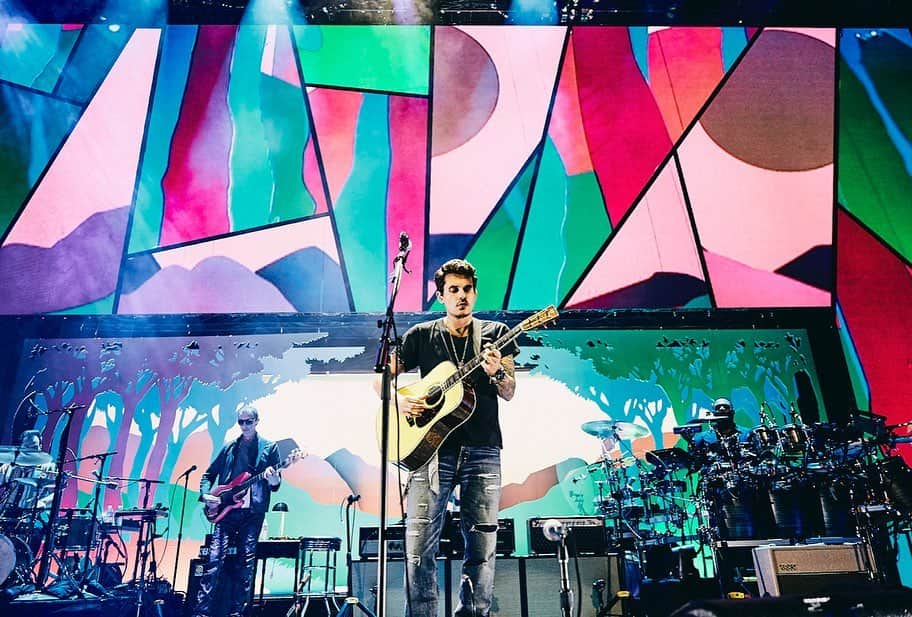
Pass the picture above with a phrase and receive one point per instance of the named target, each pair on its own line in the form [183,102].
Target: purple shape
[214,285]
[79,269]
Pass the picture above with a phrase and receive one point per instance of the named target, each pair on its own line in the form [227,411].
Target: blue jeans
[476,470]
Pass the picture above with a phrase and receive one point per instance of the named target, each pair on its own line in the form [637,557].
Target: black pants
[236,577]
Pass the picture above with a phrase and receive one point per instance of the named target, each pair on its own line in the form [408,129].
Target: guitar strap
[476,336]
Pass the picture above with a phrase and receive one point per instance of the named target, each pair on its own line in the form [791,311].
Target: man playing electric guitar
[251,454]
[469,457]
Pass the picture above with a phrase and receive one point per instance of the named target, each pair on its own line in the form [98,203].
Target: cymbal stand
[622,595]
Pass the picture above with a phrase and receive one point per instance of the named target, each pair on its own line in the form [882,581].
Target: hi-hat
[26,458]
[606,429]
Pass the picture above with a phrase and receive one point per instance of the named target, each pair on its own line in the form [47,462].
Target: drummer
[26,479]
[723,437]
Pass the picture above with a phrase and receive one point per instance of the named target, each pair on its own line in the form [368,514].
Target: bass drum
[15,561]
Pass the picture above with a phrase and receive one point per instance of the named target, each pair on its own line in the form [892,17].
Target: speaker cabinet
[507,601]
[364,585]
[193,585]
[542,584]
[787,570]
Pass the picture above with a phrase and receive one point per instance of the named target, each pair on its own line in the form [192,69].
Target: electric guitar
[231,495]
[448,403]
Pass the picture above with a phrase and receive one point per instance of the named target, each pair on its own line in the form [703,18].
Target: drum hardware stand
[49,535]
[351,602]
[622,595]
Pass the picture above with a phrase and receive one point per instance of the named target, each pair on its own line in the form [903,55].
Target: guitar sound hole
[427,416]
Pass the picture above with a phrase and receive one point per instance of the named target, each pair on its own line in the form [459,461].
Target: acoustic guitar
[449,403]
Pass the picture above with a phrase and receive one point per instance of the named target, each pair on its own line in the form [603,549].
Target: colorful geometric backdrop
[270,169]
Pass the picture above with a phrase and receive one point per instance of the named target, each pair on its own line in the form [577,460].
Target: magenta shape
[624,127]
[405,210]
[196,182]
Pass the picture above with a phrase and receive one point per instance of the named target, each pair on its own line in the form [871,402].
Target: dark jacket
[219,472]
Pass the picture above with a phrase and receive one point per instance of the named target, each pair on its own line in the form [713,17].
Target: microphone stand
[555,531]
[566,601]
[180,525]
[382,365]
[93,522]
[352,601]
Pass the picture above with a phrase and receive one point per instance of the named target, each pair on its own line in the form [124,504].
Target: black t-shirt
[427,344]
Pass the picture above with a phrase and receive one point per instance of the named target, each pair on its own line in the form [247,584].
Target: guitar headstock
[539,319]
[295,455]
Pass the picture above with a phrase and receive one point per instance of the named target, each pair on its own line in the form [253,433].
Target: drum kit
[790,483]
[74,543]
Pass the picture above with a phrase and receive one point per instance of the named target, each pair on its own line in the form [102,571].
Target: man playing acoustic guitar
[469,457]
[243,519]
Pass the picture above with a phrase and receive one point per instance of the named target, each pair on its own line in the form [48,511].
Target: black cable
[579,578]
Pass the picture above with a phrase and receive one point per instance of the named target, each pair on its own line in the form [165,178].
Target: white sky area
[324,413]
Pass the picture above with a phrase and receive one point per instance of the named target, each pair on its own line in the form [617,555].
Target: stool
[318,557]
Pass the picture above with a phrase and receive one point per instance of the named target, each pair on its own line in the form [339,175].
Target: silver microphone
[554,530]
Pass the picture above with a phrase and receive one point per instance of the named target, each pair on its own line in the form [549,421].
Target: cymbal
[668,457]
[26,458]
[604,429]
[36,482]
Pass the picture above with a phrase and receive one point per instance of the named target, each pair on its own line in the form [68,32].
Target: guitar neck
[253,479]
[478,360]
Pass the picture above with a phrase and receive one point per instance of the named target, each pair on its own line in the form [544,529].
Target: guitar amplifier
[369,542]
[804,569]
[587,535]
[452,544]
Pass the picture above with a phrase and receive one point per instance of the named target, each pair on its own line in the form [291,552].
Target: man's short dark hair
[455,266]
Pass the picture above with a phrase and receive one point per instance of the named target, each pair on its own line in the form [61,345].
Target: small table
[276,548]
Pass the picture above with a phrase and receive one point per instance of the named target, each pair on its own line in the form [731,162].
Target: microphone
[102,481]
[554,530]
[188,472]
[405,246]
[353,498]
